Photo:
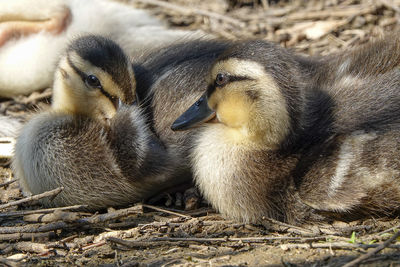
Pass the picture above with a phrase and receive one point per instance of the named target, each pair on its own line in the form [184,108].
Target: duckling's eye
[221,79]
[92,81]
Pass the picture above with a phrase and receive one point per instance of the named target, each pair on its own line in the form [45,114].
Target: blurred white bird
[33,33]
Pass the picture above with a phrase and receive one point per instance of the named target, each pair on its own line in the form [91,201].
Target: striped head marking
[254,93]
[247,99]
[93,77]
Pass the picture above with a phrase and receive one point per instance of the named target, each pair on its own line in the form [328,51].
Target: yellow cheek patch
[104,108]
[233,109]
[67,91]
[253,110]
[72,96]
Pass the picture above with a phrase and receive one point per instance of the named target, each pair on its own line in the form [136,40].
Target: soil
[168,235]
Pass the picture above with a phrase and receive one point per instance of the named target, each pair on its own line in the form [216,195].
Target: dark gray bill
[199,112]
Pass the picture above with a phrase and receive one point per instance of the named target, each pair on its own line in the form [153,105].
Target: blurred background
[312,27]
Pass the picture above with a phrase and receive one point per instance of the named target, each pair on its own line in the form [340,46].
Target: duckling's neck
[236,137]
[233,173]
[62,100]
[243,137]
[69,100]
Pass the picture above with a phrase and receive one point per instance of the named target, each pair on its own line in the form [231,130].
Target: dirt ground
[166,234]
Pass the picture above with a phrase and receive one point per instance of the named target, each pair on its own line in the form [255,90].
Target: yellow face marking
[106,80]
[72,95]
[264,120]
[231,107]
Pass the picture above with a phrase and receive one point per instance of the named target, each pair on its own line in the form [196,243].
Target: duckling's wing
[56,150]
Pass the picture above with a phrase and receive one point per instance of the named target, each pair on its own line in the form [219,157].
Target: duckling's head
[253,93]
[92,77]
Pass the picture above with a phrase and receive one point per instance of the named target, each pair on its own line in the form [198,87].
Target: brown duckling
[298,139]
[94,142]
[161,77]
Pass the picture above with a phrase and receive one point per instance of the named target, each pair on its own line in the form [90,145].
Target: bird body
[94,142]
[168,80]
[104,156]
[299,139]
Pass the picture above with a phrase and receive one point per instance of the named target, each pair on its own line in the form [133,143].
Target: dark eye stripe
[232,78]
[107,94]
[84,76]
[211,88]
[239,78]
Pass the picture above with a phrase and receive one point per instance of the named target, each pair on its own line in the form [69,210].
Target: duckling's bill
[198,113]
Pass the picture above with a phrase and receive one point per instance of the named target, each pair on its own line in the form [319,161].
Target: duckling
[162,79]
[94,141]
[299,139]
[34,33]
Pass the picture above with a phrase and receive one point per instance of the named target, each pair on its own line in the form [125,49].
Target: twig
[388,230]
[186,10]
[333,245]
[166,211]
[101,243]
[33,228]
[30,247]
[123,224]
[200,212]
[53,217]
[100,218]
[26,236]
[300,230]
[137,244]
[157,241]
[67,239]
[63,243]
[41,211]
[15,232]
[8,183]
[372,252]
[9,263]
[51,193]
[135,262]
[171,223]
